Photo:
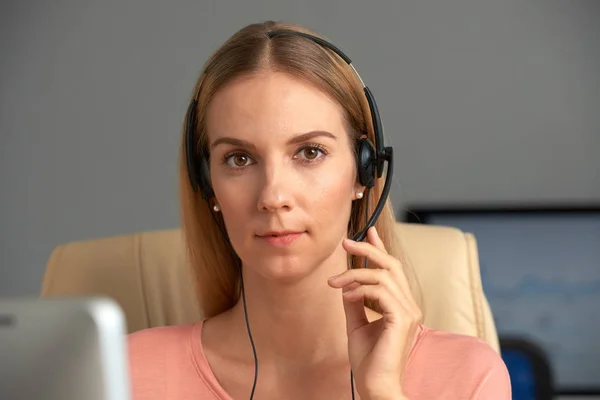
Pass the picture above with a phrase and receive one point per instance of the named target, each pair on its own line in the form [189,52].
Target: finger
[356,316]
[375,239]
[360,275]
[369,277]
[390,307]
[374,254]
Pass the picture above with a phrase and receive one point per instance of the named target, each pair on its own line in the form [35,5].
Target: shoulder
[154,355]
[459,363]
[160,335]
[153,343]
[449,345]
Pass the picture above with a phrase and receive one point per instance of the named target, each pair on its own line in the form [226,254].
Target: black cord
[367,220]
[249,335]
[239,265]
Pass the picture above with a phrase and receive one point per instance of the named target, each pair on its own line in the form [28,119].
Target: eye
[312,152]
[238,160]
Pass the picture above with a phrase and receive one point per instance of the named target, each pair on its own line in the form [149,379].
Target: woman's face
[283,173]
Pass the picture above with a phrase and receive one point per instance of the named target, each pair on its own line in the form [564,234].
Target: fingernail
[349,241]
[331,278]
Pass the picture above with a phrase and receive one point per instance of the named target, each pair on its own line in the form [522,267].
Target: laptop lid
[63,349]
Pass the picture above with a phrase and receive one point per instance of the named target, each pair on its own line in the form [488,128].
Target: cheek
[330,194]
[234,199]
[329,199]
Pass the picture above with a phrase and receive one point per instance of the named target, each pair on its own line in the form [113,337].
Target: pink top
[168,363]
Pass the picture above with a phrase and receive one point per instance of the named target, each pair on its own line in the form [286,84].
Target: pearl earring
[216,208]
[359,195]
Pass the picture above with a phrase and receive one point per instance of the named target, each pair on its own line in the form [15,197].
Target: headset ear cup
[199,173]
[204,178]
[366,163]
[190,146]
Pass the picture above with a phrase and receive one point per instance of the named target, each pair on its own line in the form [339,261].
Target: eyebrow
[295,140]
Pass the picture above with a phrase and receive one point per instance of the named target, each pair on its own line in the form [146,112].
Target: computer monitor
[540,269]
[63,349]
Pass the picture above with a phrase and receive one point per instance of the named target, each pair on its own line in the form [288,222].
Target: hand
[378,350]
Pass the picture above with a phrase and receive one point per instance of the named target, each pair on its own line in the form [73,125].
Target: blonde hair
[213,266]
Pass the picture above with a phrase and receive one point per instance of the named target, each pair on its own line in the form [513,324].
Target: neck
[295,323]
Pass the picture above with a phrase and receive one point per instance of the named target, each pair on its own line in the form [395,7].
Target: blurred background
[492,107]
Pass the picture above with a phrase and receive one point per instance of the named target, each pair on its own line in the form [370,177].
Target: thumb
[356,317]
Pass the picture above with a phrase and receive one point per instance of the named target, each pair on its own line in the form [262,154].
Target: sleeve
[496,385]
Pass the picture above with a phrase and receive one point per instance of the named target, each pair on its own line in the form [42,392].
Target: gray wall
[484,101]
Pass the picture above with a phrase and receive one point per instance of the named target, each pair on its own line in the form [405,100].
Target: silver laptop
[63,349]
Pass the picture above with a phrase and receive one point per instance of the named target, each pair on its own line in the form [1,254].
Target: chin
[284,269]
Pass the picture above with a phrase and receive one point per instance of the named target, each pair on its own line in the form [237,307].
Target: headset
[370,159]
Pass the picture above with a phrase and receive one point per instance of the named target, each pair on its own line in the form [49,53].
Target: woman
[276,119]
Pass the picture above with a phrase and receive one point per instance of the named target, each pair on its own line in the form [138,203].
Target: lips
[278,233]
[280,238]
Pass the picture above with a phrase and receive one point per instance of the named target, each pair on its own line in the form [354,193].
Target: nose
[276,194]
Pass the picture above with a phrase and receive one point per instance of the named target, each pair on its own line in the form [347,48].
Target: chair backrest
[146,273]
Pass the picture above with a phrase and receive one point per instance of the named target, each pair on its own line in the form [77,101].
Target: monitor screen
[541,275]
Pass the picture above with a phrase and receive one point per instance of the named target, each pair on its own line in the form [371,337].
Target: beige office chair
[146,273]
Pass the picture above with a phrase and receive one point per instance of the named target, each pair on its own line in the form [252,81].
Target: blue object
[522,376]
[531,377]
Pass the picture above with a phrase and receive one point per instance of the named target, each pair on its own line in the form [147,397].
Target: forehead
[272,105]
